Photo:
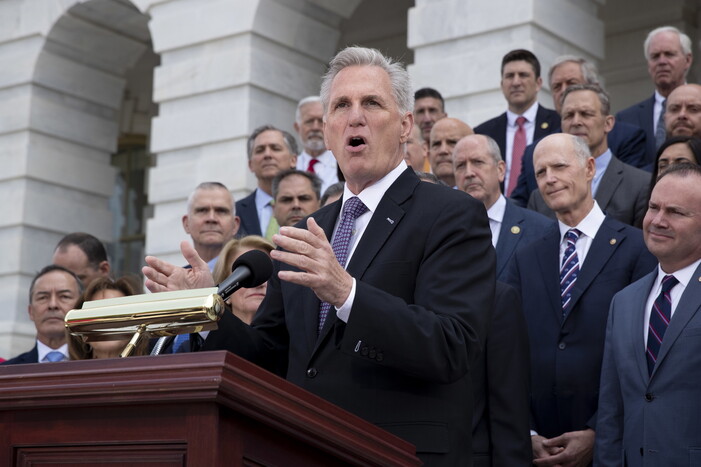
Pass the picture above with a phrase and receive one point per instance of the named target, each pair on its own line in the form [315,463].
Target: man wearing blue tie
[53,293]
[649,401]
[567,279]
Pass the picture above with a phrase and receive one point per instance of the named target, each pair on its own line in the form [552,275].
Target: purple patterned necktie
[659,321]
[353,209]
[570,267]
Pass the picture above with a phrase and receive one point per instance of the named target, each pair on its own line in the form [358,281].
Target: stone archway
[69,111]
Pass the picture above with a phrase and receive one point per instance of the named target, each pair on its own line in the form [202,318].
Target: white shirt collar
[683,275]
[324,158]
[589,226]
[372,195]
[43,349]
[659,98]
[497,210]
[262,199]
[530,115]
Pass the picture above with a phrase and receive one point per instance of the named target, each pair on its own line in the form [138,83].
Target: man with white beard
[314,157]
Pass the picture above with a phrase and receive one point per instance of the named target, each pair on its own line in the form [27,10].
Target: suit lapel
[638,305]
[549,264]
[384,220]
[326,220]
[613,176]
[688,306]
[508,238]
[602,248]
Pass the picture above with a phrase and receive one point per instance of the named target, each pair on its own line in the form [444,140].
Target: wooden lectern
[194,409]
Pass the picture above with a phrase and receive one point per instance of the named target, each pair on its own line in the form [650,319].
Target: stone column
[61,88]
[458,46]
[225,69]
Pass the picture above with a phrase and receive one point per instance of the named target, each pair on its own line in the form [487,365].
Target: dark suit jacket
[642,116]
[658,414]
[626,141]
[519,227]
[547,121]
[247,212]
[566,352]
[27,357]
[500,423]
[424,272]
[622,194]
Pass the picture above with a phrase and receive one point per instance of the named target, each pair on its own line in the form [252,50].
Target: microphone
[250,269]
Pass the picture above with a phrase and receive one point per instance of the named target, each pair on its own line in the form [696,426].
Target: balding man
[683,115]
[445,134]
[211,219]
[479,171]
[501,375]
[620,189]
[668,54]
[567,279]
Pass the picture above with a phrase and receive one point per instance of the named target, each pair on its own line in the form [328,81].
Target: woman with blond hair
[244,302]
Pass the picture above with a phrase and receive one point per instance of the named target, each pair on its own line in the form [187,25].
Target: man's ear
[104,268]
[186,224]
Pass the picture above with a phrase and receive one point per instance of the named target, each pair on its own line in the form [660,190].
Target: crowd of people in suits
[533,317]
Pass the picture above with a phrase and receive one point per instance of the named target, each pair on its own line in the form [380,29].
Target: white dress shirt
[496,217]
[683,275]
[511,128]
[43,349]
[601,163]
[264,209]
[657,110]
[589,226]
[325,169]
[371,197]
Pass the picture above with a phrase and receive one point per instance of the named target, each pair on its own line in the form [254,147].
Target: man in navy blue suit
[566,280]
[479,171]
[620,190]
[270,151]
[668,55]
[627,142]
[524,117]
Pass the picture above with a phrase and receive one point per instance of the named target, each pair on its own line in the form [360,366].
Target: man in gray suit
[620,190]
[649,402]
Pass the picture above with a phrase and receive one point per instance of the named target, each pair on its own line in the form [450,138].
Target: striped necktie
[659,321]
[569,268]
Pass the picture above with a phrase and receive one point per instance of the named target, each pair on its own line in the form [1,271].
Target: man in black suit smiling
[392,335]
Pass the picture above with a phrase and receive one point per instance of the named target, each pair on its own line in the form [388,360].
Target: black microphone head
[258,263]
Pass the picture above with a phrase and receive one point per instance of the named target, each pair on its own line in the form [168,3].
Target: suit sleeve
[609,429]
[438,335]
[633,150]
[508,381]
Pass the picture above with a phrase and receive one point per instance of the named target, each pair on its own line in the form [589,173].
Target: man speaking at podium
[386,317]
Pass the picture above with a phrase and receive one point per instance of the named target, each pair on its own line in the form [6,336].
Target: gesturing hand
[162,276]
[310,251]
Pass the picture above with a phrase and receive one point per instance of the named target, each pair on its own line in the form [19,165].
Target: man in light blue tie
[649,402]
[567,279]
[54,291]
